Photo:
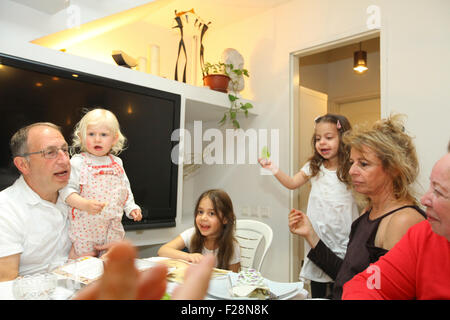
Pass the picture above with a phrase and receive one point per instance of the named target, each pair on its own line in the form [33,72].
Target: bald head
[437,198]
[19,141]
[44,175]
[446,163]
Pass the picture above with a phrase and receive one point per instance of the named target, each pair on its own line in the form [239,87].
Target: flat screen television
[32,92]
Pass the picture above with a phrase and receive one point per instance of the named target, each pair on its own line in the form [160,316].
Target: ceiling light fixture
[360,60]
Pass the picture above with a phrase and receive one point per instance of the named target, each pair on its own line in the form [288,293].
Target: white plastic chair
[250,234]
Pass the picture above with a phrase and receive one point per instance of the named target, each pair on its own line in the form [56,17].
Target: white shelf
[204,110]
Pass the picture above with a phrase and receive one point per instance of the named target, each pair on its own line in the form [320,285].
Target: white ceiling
[47,6]
[102,16]
[219,12]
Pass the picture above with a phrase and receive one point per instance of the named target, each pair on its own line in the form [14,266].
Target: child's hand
[267,164]
[136,214]
[93,206]
[195,257]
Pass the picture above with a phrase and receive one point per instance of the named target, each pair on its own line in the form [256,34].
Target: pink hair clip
[338,125]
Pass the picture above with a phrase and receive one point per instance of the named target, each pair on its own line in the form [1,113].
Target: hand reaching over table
[122,281]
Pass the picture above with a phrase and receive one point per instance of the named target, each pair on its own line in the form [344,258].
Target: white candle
[153,59]
[142,64]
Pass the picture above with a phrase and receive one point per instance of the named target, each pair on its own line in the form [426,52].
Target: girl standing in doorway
[331,206]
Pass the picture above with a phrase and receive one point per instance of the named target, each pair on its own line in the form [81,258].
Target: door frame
[336,41]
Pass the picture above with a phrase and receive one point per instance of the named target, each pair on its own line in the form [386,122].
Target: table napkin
[249,283]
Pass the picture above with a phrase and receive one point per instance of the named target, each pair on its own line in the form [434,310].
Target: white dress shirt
[34,228]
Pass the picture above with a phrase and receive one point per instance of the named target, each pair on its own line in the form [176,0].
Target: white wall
[22,23]
[415,74]
[415,77]
[134,40]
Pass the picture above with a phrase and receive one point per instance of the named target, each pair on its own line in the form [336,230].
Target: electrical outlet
[264,212]
[246,211]
[255,212]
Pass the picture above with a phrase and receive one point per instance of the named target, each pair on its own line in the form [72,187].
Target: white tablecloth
[6,290]
[62,293]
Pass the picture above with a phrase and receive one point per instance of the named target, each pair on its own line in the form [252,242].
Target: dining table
[219,285]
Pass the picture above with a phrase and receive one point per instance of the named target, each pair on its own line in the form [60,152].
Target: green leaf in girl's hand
[265,154]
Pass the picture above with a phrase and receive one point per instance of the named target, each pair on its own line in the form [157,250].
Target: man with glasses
[33,220]
[34,226]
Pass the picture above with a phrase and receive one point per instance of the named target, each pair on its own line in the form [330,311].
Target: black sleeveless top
[361,251]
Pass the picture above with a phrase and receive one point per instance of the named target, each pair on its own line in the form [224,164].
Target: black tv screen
[32,92]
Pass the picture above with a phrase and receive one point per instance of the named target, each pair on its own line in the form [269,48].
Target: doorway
[324,82]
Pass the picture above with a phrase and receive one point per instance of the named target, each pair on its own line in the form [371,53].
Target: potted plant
[236,106]
[216,76]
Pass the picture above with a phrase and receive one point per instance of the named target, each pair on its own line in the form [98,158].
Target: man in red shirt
[418,266]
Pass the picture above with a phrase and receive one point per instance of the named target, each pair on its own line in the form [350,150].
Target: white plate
[155,260]
[218,288]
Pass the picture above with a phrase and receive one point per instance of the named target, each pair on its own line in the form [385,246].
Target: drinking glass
[35,287]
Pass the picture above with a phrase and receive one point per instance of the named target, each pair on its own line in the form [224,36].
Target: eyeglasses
[50,152]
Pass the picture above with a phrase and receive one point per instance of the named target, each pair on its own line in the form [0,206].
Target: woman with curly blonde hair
[396,151]
[383,168]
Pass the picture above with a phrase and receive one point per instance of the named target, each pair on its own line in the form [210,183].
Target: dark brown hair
[223,207]
[316,159]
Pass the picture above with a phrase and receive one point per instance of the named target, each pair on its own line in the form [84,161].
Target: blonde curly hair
[395,149]
[95,117]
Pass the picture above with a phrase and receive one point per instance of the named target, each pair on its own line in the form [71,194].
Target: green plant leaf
[235,105]
[223,119]
[232,97]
